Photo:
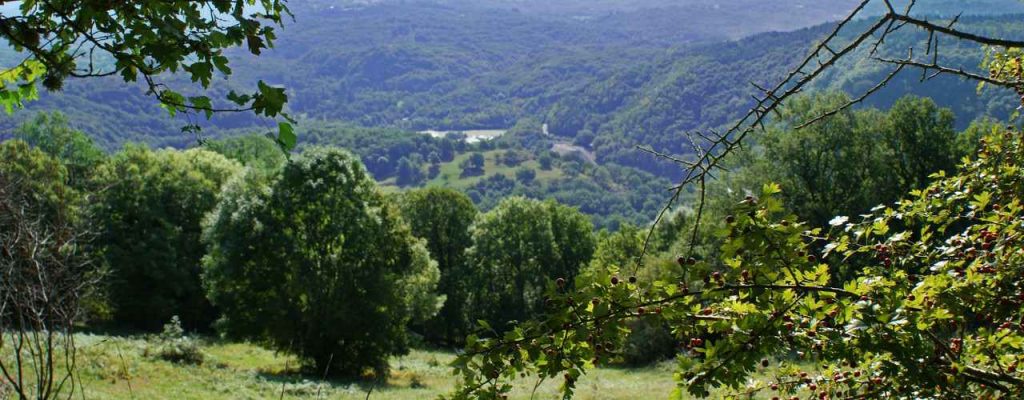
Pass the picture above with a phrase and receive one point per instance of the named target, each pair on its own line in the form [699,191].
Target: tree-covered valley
[535,199]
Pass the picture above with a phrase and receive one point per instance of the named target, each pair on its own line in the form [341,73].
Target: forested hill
[421,65]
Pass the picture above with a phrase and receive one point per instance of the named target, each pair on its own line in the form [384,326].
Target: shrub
[174,346]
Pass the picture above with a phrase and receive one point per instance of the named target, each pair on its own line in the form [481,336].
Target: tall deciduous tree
[921,141]
[314,260]
[443,217]
[149,217]
[520,247]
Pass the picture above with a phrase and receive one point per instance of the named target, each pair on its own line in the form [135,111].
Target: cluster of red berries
[884,254]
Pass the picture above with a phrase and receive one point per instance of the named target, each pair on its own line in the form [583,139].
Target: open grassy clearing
[123,367]
[117,367]
[450,175]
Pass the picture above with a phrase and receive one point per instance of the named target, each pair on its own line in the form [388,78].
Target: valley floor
[115,367]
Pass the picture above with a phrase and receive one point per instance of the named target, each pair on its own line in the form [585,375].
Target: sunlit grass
[120,367]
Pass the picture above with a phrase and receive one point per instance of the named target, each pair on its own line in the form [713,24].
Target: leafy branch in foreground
[144,40]
[934,311]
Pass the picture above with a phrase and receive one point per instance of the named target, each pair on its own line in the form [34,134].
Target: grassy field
[450,173]
[114,367]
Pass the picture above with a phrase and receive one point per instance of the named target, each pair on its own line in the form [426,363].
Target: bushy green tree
[443,217]
[473,166]
[314,260]
[52,134]
[149,216]
[409,172]
[855,160]
[522,246]
[921,141]
[40,179]
[835,165]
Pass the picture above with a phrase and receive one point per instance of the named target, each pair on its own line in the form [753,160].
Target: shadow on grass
[297,381]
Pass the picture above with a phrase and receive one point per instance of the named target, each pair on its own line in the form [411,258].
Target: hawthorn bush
[933,310]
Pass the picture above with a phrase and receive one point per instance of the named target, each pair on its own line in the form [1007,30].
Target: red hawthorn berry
[632,279]
[812,258]
[640,310]
[615,280]
[775,386]
[730,219]
[706,311]
[560,282]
